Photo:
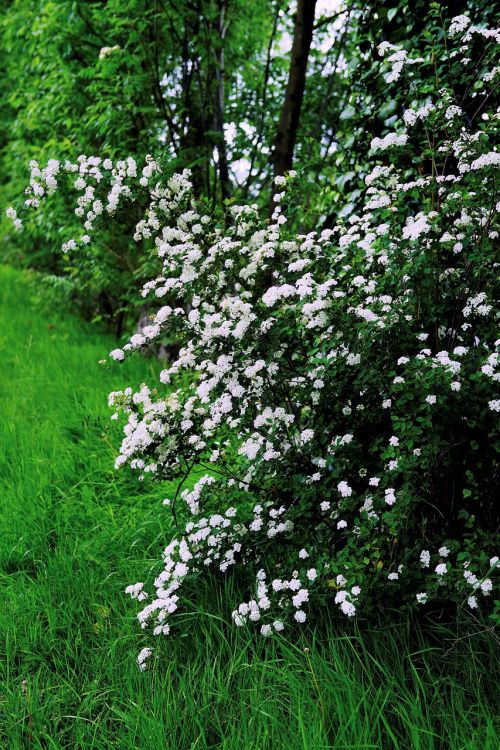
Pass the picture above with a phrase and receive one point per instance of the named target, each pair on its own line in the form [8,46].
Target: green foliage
[137,77]
[348,103]
[114,77]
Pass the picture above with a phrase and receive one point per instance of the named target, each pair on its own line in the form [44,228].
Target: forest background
[235,92]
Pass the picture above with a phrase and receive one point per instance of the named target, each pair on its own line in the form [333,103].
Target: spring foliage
[338,388]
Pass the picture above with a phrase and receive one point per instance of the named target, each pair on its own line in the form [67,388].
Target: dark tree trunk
[294,93]
[195,146]
[225,180]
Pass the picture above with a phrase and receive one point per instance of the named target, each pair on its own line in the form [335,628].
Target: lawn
[74,533]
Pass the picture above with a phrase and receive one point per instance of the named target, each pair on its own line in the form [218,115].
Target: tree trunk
[225,180]
[294,93]
[195,146]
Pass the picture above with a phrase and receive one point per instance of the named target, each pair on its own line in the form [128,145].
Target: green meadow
[74,532]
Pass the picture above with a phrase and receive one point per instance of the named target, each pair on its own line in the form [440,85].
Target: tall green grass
[74,533]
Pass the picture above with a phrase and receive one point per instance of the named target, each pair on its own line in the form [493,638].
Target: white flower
[443,551]
[441,569]
[389,141]
[344,489]
[341,524]
[458,24]
[300,616]
[105,51]
[306,436]
[430,399]
[452,112]
[425,558]
[415,227]
[486,586]
[422,598]
[303,554]
[312,574]
[300,597]
[385,47]
[472,602]
[348,608]
[390,497]
[117,354]
[492,159]
[142,658]
[266,629]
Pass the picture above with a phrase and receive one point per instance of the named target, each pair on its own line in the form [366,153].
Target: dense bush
[342,389]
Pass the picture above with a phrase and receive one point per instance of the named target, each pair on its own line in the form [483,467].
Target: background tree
[232,91]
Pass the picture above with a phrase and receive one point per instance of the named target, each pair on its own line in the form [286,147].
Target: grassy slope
[73,533]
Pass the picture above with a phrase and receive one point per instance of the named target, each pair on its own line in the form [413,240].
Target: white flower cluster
[412,116]
[398,58]
[391,140]
[106,51]
[303,357]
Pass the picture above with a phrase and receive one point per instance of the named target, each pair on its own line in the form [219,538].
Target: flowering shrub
[342,392]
